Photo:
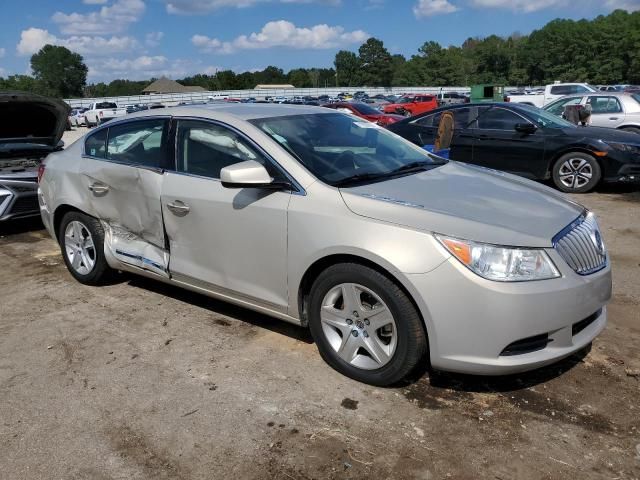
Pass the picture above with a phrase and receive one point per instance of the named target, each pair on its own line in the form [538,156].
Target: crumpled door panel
[127,200]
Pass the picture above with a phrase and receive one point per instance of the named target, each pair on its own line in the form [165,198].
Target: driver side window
[205,148]
[498,119]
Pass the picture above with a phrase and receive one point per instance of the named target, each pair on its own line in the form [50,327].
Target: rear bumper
[490,328]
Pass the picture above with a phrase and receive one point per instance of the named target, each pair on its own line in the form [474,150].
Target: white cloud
[204,6]
[94,2]
[283,34]
[526,6]
[113,19]
[145,67]
[33,39]
[152,39]
[629,5]
[428,8]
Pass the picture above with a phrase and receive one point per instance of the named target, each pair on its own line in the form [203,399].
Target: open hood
[468,202]
[32,119]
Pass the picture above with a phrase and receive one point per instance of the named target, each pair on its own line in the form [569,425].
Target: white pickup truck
[100,112]
[552,92]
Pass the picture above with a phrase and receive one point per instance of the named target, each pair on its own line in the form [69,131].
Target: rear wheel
[81,239]
[364,325]
[576,172]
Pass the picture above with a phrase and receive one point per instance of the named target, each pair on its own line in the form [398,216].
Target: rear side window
[96,145]
[138,143]
[561,90]
[106,105]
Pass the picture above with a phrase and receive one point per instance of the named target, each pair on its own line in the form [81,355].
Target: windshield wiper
[359,177]
[413,167]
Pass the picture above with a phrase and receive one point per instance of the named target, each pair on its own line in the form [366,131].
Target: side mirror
[249,174]
[527,128]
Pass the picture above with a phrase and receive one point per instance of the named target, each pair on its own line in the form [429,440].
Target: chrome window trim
[299,190]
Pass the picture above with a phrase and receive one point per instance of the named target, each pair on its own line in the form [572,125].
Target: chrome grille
[581,245]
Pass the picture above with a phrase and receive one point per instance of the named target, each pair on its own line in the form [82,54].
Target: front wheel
[576,172]
[364,325]
[631,129]
[81,239]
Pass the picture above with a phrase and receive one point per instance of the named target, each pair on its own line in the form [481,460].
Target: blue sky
[137,39]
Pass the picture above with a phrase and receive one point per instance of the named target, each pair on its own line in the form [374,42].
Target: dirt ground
[139,380]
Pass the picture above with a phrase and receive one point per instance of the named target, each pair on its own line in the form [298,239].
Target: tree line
[605,50]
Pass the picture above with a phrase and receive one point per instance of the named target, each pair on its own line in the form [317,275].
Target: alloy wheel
[359,326]
[79,247]
[575,173]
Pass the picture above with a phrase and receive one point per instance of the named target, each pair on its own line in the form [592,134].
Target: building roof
[165,85]
[266,86]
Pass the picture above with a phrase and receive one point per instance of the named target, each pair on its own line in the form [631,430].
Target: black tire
[411,344]
[578,183]
[631,129]
[101,273]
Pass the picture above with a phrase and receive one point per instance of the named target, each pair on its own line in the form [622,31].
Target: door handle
[98,188]
[178,208]
[613,118]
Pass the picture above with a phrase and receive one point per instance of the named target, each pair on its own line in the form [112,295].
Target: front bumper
[629,173]
[492,328]
[18,198]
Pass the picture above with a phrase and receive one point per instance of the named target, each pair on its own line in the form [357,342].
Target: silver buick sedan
[389,255]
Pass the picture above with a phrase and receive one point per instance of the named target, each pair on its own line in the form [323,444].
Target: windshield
[636,97]
[405,100]
[365,109]
[544,118]
[336,148]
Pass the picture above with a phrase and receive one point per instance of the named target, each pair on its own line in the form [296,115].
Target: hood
[468,202]
[604,134]
[31,118]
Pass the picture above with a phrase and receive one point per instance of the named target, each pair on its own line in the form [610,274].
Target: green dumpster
[487,93]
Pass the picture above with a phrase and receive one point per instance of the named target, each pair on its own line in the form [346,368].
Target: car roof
[241,111]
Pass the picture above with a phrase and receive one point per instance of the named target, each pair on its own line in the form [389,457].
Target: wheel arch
[321,264]
[59,213]
[572,149]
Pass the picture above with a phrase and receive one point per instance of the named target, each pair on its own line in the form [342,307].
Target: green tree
[61,72]
[376,64]
[347,68]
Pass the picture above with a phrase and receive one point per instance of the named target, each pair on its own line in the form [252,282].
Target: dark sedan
[530,142]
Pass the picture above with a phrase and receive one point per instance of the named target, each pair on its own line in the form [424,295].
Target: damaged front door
[125,182]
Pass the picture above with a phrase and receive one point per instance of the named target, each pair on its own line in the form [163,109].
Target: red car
[365,111]
[411,105]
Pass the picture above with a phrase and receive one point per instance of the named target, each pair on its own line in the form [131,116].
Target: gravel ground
[138,380]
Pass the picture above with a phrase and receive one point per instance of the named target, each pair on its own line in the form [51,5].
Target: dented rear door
[124,183]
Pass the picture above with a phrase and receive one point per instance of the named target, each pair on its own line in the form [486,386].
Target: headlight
[625,147]
[501,264]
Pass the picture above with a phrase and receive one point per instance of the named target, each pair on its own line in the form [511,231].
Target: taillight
[41,168]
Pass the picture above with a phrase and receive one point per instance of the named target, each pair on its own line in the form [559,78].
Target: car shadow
[496,384]
[220,307]
[21,225]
